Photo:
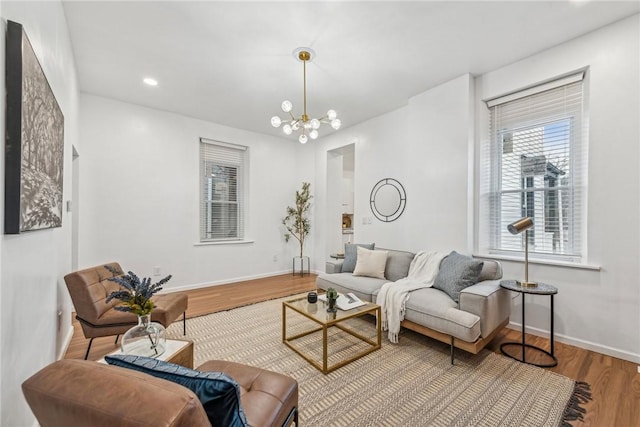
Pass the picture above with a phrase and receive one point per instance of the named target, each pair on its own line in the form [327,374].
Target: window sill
[225,242]
[540,261]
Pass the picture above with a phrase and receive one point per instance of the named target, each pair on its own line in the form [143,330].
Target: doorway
[340,198]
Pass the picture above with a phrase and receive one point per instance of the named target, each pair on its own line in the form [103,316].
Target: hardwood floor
[615,383]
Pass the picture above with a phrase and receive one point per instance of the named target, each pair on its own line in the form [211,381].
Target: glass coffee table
[318,314]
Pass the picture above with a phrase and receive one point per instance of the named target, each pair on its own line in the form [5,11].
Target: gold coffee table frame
[326,321]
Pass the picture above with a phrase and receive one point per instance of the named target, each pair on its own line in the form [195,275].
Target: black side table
[541,289]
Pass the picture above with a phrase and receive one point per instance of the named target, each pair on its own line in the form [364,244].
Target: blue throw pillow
[218,393]
[456,273]
[351,255]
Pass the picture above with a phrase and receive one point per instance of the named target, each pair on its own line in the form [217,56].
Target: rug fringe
[574,411]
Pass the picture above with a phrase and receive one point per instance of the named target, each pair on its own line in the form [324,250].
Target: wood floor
[615,383]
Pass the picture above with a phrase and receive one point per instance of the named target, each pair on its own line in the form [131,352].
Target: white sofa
[483,310]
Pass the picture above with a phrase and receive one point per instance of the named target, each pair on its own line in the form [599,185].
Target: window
[535,166]
[222,168]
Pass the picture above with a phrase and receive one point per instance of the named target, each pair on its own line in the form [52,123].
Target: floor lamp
[517,227]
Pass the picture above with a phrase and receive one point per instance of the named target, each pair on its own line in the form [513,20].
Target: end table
[541,289]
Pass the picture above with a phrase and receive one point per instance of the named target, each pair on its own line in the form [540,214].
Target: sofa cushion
[218,393]
[351,255]
[434,309]
[363,287]
[398,263]
[456,273]
[491,270]
[370,263]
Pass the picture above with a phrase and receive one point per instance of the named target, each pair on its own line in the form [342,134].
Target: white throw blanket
[394,295]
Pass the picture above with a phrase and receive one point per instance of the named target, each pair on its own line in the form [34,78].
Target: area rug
[411,383]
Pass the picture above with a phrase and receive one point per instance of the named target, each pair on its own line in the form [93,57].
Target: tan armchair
[89,289]
[73,393]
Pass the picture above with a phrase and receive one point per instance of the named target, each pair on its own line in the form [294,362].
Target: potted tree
[297,222]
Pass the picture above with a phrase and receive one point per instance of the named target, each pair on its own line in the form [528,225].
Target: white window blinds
[536,167]
[221,191]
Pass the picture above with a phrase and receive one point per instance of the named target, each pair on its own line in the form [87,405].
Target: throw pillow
[456,273]
[218,393]
[351,255]
[370,263]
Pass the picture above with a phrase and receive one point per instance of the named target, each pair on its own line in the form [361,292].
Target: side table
[541,289]
[177,351]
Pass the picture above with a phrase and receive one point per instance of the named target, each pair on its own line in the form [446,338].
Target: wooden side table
[541,289]
[177,351]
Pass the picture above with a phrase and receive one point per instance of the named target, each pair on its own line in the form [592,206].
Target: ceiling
[231,62]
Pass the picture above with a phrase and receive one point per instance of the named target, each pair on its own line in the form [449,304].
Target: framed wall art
[34,146]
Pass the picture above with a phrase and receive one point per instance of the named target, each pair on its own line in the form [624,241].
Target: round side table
[541,289]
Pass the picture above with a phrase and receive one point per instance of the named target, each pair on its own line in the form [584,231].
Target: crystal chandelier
[308,127]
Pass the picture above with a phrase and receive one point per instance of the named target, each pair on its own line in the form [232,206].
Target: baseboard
[587,345]
[224,282]
[65,344]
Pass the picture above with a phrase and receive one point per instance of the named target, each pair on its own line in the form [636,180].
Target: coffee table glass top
[318,311]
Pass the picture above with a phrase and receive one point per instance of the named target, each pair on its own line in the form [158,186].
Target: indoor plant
[332,297]
[147,338]
[135,295]
[297,221]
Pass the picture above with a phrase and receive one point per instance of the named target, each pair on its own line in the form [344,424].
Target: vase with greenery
[332,297]
[297,222]
[147,338]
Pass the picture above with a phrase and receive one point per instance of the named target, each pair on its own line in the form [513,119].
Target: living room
[134,189]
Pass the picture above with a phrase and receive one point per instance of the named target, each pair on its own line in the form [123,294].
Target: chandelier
[308,127]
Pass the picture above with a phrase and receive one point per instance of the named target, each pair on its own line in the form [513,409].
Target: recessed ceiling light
[150,81]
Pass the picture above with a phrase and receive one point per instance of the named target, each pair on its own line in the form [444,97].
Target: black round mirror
[388,200]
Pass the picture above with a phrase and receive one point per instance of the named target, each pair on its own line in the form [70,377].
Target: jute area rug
[411,383]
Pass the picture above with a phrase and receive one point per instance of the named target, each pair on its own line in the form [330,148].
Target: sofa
[86,393]
[470,324]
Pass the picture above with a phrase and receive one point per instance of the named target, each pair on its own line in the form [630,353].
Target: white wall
[32,265]
[140,197]
[430,146]
[594,309]
[425,146]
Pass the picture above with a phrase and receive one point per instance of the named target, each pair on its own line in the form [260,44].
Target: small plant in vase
[147,338]
[332,297]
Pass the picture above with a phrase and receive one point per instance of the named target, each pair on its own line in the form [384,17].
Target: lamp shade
[520,225]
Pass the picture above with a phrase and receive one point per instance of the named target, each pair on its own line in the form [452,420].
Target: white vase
[147,338]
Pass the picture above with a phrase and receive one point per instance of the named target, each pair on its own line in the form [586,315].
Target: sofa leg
[88,348]
[452,350]
[117,336]
[184,323]
[293,416]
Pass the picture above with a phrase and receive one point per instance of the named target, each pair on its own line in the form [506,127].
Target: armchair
[89,289]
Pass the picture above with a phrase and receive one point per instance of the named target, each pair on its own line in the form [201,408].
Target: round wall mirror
[388,200]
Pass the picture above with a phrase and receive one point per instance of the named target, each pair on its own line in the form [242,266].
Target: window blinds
[221,191]
[536,168]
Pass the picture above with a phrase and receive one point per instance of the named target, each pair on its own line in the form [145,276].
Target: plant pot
[147,338]
[332,305]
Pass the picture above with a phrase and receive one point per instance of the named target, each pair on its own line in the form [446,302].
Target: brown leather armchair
[64,394]
[89,289]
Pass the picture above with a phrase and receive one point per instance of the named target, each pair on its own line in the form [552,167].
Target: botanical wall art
[34,141]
